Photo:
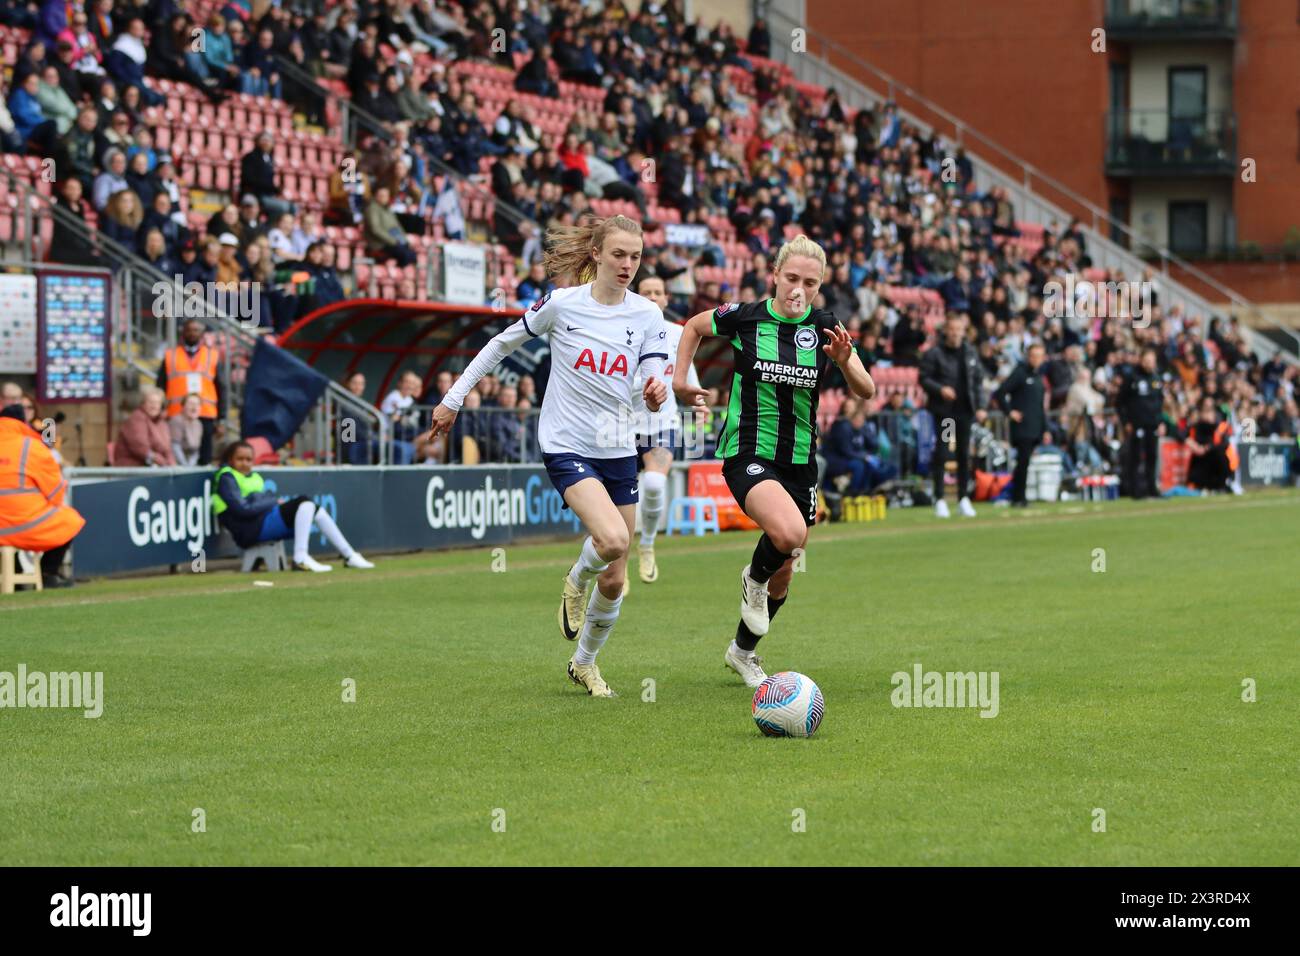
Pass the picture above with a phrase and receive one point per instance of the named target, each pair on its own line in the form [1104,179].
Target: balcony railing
[1171,19]
[1152,142]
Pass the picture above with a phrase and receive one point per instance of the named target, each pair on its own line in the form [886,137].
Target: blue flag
[279,393]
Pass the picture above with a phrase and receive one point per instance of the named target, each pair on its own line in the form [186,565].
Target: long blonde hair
[800,245]
[568,248]
[113,209]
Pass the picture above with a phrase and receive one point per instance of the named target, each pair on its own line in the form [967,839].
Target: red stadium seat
[263,453]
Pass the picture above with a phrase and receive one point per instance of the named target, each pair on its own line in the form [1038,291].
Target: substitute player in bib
[782,348]
[657,435]
[600,334]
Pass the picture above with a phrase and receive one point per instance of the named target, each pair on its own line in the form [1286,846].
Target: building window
[1188,228]
[1187,92]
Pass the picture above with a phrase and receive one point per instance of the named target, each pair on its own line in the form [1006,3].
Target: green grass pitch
[1119,691]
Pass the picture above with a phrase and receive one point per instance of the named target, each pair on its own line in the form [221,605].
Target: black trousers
[1024,451]
[400,251]
[45,137]
[52,560]
[205,440]
[961,430]
[1142,448]
[1209,471]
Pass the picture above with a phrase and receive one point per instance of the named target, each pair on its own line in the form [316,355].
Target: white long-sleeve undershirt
[489,358]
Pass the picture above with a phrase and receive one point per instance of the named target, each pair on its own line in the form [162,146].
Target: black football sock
[746,639]
[767,560]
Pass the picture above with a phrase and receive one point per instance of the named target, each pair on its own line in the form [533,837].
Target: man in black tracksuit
[1141,403]
[1021,397]
[951,375]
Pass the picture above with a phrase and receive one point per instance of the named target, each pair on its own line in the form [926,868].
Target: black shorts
[743,472]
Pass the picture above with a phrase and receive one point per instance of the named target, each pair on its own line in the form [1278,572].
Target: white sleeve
[487,359]
[541,315]
[654,348]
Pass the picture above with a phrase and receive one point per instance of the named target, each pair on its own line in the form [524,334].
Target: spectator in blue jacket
[507,430]
[253,515]
[853,448]
[219,53]
[52,21]
[534,286]
[260,76]
[30,124]
[125,62]
[359,446]
[112,180]
[959,292]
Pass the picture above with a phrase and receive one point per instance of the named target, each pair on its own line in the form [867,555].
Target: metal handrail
[136,267]
[1027,171]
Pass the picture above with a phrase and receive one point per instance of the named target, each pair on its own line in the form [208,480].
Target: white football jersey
[666,417]
[596,354]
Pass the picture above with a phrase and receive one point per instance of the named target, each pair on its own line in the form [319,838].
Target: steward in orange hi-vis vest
[33,516]
[188,374]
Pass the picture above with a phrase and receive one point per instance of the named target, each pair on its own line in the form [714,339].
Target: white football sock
[333,534]
[589,564]
[302,519]
[602,614]
[653,487]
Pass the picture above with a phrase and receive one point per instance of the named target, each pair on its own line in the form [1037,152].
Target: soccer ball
[788,705]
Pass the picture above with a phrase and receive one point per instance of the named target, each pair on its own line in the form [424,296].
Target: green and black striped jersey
[779,369]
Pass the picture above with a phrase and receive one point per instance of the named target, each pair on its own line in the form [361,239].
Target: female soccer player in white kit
[600,334]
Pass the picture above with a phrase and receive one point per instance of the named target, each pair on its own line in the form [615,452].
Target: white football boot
[753,604]
[745,663]
[646,566]
[588,676]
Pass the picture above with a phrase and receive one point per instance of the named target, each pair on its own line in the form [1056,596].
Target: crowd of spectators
[692,120]
[84,96]
[894,208]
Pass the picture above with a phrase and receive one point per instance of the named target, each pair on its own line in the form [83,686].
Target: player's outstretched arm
[501,345]
[840,349]
[689,394]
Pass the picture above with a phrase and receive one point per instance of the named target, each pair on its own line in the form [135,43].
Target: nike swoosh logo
[573,328]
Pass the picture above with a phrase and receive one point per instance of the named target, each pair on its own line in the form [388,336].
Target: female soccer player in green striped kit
[782,348]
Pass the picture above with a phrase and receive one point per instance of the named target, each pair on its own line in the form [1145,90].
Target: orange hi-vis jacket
[191,376]
[1223,436]
[33,516]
